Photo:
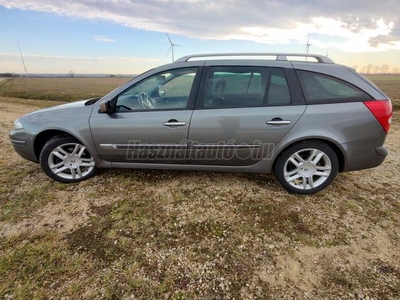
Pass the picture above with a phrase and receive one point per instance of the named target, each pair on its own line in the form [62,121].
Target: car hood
[65,117]
[75,104]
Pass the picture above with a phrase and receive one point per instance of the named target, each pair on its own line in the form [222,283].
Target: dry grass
[128,234]
[59,89]
[390,85]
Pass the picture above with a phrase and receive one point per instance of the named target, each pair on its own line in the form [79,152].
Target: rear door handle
[278,121]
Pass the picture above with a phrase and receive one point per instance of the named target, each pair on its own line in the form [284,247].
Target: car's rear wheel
[306,167]
[65,159]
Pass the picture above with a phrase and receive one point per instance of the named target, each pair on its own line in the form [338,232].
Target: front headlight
[17,124]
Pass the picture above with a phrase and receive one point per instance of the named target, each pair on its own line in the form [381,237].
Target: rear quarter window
[278,92]
[319,88]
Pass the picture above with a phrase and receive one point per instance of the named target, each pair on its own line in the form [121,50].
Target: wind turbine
[171,47]
[22,58]
[307,46]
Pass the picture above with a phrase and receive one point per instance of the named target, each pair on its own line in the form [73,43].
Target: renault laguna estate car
[302,117]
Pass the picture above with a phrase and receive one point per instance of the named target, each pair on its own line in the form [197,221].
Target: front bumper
[23,144]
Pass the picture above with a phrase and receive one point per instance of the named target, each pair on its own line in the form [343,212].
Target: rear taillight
[382,110]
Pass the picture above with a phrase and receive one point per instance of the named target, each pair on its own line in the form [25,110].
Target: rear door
[243,113]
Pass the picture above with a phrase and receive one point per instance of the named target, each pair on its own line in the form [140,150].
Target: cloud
[359,25]
[104,39]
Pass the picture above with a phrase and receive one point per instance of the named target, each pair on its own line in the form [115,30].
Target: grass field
[129,234]
[59,89]
[390,84]
[376,78]
[70,89]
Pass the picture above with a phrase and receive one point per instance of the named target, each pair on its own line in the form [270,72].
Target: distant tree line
[69,74]
[9,75]
[376,69]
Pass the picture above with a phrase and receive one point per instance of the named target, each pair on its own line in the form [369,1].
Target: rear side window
[319,88]
[240,86]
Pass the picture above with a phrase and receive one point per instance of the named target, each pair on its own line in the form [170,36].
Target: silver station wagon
[301,116]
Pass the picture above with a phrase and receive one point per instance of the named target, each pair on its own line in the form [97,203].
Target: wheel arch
[339,152]
[44,136]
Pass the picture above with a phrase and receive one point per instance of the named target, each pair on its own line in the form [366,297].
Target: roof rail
[279,56]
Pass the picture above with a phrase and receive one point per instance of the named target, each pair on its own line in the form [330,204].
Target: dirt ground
[359,217]
[54,214]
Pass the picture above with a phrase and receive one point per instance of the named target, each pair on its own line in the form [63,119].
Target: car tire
[65,159]
[306,167]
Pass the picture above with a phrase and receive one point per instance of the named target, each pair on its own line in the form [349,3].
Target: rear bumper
[364,154]
[382,151]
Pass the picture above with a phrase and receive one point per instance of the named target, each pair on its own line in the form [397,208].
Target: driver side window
[166,90]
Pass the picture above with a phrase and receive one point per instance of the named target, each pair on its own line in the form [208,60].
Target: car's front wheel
[65,159]
[307,167]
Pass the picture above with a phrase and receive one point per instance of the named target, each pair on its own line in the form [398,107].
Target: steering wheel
[145,101]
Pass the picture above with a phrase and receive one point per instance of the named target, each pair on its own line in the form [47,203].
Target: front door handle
[277,121]
[174,123]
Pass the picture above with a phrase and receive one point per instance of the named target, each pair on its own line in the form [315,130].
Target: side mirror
[107,107]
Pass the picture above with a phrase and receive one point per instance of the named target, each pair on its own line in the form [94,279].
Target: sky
[129,36]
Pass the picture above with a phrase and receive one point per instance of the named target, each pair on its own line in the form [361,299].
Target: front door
[151,120]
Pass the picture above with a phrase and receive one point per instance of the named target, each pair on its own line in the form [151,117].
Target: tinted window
[235,87]
[166,90]
[278,92]
[319,88]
